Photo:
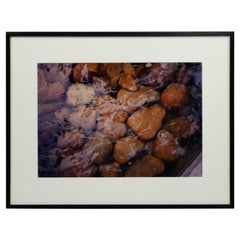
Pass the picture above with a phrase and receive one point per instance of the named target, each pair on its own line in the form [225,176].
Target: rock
[114,71]
[127,81]
[80,73]
[110,170]
[167,147]
[113,129]
[84,117]
[108,106]
[78,94]
[76,166]
[147,121]
[157,74]
[71,139]
[183,75]
[148,166]
[130,101]
[126,148]
[182,127]
[97,149]
[101,85]
[174,96]
[128,68]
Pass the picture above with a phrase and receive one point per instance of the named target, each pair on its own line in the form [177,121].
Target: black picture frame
[9,116]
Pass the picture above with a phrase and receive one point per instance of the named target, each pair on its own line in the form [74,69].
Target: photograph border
[9,35]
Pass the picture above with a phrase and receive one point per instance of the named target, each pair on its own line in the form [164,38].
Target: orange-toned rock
[130,101]
[148,166]
[110,170]
[174,96]
[114,71]
[126,148]
[182,127]
[111,128]
[97,69]
[128,68]
[166,146]
[147,121]
[73,139]
[80,73]
[97,149]
[127,81]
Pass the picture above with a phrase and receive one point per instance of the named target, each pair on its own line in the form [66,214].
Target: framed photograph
[120,119]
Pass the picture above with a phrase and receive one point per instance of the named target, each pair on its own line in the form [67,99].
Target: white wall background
[171,15]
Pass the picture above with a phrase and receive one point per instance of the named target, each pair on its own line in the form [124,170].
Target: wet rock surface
[117,119]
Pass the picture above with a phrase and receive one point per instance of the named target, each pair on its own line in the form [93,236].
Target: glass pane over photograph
[119,119]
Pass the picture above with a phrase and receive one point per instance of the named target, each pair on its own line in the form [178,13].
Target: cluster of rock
[113,119]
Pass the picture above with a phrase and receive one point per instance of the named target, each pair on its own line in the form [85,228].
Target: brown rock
[166,146]
[126,148]
[110,170]
[147,121]
[130,101]
[96,69]
[97,149]
[174,96]
[157,74]
[80,73]
[127,81]
[183,75]
[182,127]
[128,68]
[114,71]
[148,166]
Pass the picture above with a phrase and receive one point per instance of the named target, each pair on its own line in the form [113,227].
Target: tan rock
[130,101]
[126,148]
[148,166]
[108,106]
[147,121]
[167,147]
[78,94]
[84,117]
[73,138]
[111,128]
